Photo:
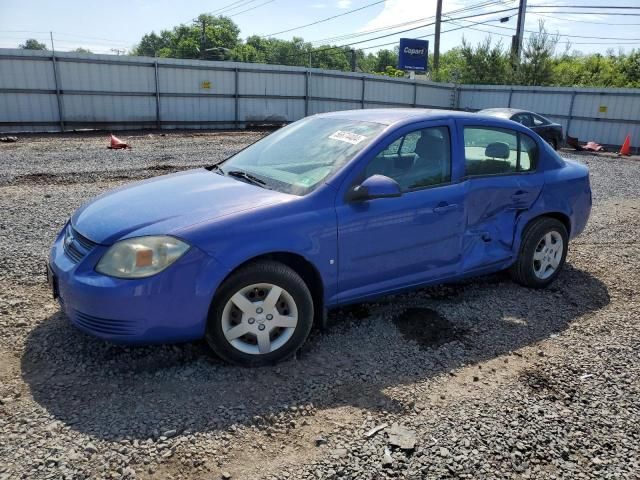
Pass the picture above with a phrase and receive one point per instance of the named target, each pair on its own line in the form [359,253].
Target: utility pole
[516,42]
[436,46]
[202,38]
[353,60]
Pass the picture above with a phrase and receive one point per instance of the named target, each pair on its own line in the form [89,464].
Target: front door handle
[445,208]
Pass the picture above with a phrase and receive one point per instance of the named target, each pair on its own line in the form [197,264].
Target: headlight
[141,257]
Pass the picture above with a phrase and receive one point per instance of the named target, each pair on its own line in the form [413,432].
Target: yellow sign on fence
[603,109]
[206,84]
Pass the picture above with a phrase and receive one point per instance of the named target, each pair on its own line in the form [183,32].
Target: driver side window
[416,160]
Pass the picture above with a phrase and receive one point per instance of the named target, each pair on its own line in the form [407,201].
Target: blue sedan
[333,209]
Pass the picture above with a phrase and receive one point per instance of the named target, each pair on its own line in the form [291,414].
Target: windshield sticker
[352,138]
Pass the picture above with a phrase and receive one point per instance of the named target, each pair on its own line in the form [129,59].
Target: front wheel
[542,253]
[262,314]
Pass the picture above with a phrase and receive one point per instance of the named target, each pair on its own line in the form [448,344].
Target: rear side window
[497,151]
[528,153]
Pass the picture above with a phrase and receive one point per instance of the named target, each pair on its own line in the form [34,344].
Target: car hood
[164,205]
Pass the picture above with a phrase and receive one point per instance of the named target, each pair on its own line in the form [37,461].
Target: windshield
[297,158]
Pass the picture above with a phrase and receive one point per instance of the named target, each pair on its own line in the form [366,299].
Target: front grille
[76,246]
[84,241]
[106,326]
[73,253]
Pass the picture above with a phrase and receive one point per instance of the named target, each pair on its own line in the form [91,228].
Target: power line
[252,8]
[429,34]
[616,7]
[591,13]
[84,37]
[231,6]
[559,34]
[583,21]
[324,19]
[404,24]
[402,31]
[632,41]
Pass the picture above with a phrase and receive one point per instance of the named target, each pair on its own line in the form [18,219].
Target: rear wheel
[542,253]
[262,314]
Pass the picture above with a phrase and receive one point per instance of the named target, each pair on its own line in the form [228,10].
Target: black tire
[263,271]
[553,142]
[522,271]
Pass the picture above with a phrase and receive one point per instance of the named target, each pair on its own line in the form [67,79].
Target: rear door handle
[445,208]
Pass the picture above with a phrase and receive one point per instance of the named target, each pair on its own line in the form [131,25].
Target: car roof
[389,116]
[503,111]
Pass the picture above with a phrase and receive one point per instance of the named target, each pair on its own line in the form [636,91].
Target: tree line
[218,38]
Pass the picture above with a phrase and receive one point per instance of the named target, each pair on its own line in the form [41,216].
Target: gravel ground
[484,379]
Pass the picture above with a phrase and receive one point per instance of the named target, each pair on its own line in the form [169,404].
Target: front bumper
[171,306]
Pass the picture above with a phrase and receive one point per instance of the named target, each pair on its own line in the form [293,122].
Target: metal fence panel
[271,83]
[324,86]
[96,109]
[396,93]
[479,98]
[276,110]
[28,107]
[439,97]
[321,106]
[195,81]
[89,77]
[550,103]
[20,74]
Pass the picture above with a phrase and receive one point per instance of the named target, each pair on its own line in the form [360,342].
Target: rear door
[502,181]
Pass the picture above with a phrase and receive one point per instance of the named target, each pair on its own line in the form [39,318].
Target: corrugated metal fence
[39,92]
[68,91]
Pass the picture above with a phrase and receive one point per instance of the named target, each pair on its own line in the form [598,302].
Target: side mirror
[376,186]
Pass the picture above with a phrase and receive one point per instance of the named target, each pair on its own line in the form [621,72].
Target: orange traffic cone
[116,143]
[626,146]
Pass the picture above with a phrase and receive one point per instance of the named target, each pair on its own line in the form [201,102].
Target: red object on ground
[593,147]
[626,146]
[116,143]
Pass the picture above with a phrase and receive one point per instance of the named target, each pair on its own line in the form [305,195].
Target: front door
[391,243]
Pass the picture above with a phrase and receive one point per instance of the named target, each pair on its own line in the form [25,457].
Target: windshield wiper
[217,168]
[246,176]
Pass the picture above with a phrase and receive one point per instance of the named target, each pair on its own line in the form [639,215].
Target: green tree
[536,66]
[484,64]
[386,58]
[32,44]
[390,71]
[82,50]
[630,69]
[451,66]
[207,37]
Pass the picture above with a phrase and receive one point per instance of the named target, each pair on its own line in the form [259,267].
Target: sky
[107,27]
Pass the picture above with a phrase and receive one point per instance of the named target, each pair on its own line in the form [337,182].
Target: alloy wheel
[259,318]
[547,255]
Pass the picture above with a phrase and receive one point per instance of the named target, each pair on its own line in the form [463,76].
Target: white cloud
[400,11]
[343,4]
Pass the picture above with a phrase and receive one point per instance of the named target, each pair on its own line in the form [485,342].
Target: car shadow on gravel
[114,392]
